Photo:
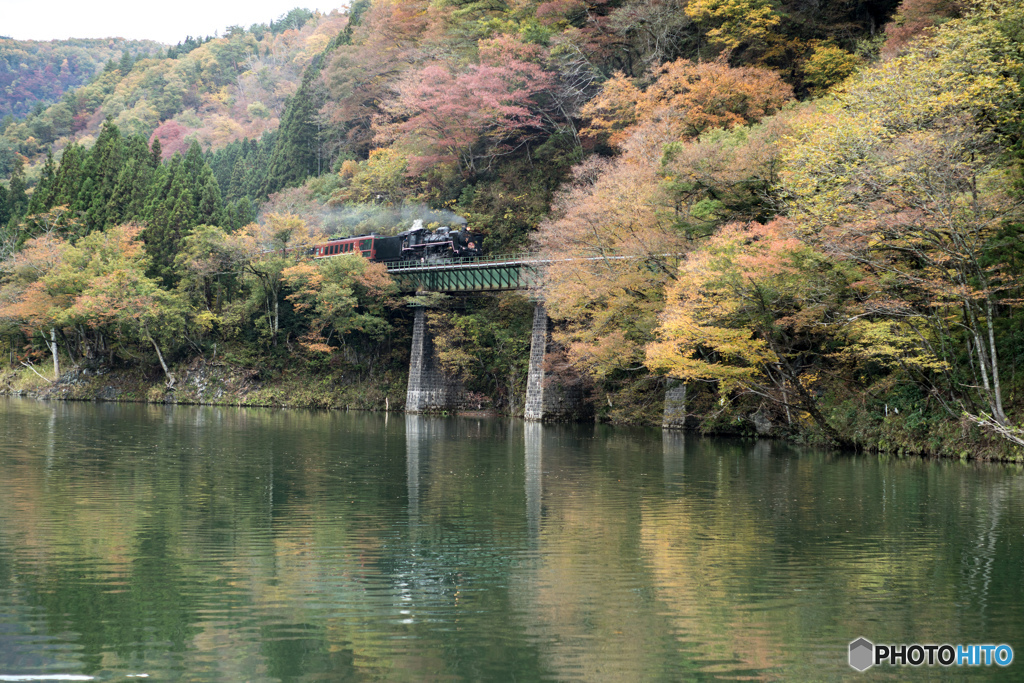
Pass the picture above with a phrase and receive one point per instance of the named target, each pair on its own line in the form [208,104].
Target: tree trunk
[277,317]
[170,377]
[984,366]
[71,351]
[809,403]
[997,389]
[52,345]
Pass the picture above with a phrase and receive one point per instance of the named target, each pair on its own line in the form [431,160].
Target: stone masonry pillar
[674,416]
[550,395]
[535,375]
[429,389]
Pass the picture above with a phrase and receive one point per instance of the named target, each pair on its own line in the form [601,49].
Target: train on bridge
[418,245]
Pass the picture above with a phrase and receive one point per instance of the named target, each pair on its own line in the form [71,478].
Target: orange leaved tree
[27,300]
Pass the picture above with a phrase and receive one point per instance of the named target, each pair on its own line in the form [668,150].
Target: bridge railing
[523,259]
[398,266]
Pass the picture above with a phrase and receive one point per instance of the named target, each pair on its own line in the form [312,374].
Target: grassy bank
[221,383]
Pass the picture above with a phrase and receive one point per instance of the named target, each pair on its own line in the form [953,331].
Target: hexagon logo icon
[862,654]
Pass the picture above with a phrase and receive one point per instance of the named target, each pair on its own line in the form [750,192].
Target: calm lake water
[223,544]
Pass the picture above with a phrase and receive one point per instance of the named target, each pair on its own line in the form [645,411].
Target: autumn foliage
[687,99]
[470,116]
[793,210]
[620,229]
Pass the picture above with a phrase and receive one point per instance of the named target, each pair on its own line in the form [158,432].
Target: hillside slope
[34,72]
[218,91]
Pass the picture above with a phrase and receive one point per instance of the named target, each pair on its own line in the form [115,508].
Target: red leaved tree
[172,137]
[471,116]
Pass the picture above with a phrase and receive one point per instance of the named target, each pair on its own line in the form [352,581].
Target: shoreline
[224,384]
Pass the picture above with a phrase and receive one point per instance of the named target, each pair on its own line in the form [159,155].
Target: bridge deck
[492,274]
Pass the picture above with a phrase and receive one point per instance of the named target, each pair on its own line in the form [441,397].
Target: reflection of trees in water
[769,552]
[987,544]
[582,594]
[247,544]
[151,600]
[752,554]
[152,536]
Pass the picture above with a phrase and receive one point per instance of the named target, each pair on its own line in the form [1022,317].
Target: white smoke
[361,219]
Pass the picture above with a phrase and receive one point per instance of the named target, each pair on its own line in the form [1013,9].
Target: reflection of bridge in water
[532,512]
[427,441]
[429,458]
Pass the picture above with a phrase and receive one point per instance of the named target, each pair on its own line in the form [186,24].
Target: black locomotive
[416,244]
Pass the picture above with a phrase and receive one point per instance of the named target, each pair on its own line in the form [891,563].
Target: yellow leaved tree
[904,172]
[751,311]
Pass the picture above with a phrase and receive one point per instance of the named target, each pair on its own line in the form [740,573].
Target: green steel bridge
[492,274]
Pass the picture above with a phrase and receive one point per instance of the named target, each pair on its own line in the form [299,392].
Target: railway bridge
[548,397]
[430,390]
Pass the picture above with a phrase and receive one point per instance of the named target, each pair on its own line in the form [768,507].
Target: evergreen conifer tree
[126,63]
[180,220]
[193,162]
[128,199]
[240,213]
[103,168]
[5,209]
[160,189]
[86,192]
[157,214]
[68,179]
[156,153]
[209,207]
[42,196]
[256,174]
[236,186]
[17,199]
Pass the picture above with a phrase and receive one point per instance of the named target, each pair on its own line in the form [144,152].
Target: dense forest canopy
[34,74]
[814,208]
[213,90]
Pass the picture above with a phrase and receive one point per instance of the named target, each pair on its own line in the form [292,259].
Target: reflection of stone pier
[423,434]
[534,469]
[550,395]
[673,457]
[413,424]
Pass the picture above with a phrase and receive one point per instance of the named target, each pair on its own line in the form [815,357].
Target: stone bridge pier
[429,390]
[553,391]
[674,415]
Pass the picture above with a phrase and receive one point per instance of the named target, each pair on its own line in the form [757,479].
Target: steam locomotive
[416,244]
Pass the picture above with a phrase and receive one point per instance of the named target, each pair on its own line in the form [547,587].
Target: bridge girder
[471,276]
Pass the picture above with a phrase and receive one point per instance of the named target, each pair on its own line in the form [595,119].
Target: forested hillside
[213,90]
[809,212]
[34,73]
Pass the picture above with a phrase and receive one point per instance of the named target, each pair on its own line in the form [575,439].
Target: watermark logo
[864,654]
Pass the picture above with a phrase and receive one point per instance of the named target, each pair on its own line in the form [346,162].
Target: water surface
[223,544]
